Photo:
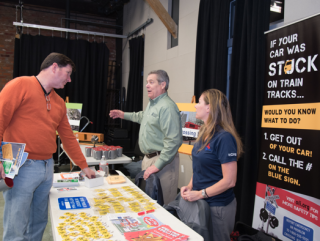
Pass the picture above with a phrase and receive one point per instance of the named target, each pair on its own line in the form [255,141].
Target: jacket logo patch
[208,147]
[232,154]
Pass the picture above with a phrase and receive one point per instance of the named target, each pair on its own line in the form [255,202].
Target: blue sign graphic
[296,231]
[68,203]
[271,208]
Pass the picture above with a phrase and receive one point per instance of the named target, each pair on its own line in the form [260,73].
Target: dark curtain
[211,47]
[135,85]
[89,82]
[246,95]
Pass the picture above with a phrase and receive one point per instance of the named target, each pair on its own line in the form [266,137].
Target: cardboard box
[115,179]
[94,182]
[86,136]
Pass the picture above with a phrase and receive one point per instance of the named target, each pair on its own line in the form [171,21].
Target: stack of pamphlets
[146,227]
[66,183]
[12,156]
[67,180]
[163,232]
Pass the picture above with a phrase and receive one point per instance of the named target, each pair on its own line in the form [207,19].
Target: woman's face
[202,110]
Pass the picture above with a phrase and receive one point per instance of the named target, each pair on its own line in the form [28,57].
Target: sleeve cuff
[127,116]
[160,164]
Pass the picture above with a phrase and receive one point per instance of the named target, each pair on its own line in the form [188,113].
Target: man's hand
[2,174]
[149,171]
[116,114]
[89,172]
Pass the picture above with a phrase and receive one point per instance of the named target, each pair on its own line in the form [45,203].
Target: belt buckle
[152,154]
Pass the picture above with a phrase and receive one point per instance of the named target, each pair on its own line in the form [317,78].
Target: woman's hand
[192,196]
[184,190]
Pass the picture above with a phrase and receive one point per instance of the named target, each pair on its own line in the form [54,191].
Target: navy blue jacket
[152,186]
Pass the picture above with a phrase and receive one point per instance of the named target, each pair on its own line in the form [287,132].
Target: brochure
[23,160]
[7,166]
[125,223]
[12,152]
[66,182]
[66,189]
[164,232]
[70,175]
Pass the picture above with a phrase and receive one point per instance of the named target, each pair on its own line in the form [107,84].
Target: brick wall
[48,17]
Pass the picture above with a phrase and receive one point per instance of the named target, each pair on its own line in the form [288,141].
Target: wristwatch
[203,193]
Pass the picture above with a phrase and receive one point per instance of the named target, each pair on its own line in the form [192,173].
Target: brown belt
[153,154]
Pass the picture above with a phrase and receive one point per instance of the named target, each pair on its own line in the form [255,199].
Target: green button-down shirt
[160,128]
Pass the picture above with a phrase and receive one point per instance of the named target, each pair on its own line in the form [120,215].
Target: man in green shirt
[160,133]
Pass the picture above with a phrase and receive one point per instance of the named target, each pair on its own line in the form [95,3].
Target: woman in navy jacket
[215,156]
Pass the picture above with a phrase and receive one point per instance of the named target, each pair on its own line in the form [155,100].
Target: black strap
[45,92]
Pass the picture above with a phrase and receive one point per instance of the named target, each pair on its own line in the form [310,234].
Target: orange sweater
[24,118]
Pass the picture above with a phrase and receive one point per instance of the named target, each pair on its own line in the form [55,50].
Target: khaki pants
[169,176]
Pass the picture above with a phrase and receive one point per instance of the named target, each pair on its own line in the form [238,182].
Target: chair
[134,167]
[196,215]
[138,155]
[151,186]
[249,233]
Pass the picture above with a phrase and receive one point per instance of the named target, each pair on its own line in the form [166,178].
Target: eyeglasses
[48,102]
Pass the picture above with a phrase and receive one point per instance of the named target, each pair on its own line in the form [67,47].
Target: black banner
[290,136]
[293,62]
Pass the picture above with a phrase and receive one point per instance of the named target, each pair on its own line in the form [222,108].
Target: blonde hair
[220,114]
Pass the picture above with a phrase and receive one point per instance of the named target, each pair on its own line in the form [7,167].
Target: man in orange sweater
[31,112]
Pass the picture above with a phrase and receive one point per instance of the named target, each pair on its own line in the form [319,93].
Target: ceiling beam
[164,16]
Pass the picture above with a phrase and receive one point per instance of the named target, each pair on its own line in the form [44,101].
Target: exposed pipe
[149,21]
[67,17]
[21,6]
[68,30]
[91,23]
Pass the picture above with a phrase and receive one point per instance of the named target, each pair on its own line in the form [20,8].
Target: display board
[287,194]
[190,126]
[74,115]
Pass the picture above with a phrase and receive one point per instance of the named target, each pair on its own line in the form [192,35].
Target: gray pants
[223,218]
[169,176]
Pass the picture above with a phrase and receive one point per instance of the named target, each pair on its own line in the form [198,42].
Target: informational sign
[68,203]
[190,126]
[287,195]
[74,115]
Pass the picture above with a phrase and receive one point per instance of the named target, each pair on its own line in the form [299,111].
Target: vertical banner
[287,202]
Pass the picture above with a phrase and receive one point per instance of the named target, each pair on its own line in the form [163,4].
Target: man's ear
[54,67]
[163,85]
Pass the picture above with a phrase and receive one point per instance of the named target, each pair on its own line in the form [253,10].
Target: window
[276,20]
[173,10]
[276,13]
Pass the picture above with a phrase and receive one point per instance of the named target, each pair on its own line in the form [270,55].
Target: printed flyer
[127,223]
[164,232]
